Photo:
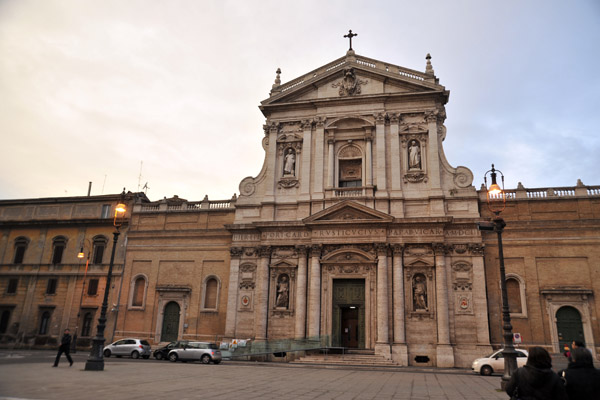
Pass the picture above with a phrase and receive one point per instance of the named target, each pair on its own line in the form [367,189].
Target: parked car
[162,353]
[135,348]
[495,362]
[196,351]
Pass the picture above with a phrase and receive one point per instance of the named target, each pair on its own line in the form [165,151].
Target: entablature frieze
[460,238]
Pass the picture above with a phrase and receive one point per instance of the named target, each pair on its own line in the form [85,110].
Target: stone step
[344,359]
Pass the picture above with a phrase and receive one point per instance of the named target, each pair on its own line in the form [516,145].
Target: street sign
[517,338]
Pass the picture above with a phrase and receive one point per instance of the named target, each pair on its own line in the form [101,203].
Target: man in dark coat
[582,379]
[536,380]
[65,347]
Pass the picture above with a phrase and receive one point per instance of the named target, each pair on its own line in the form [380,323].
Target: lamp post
[496,201]
[80,255]
[95,361]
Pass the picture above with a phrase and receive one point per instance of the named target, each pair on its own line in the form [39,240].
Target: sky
[166,93]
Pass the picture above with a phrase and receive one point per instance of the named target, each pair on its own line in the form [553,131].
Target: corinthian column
[314,292]
[262,294]
[445,354]
[380,154]
[398,282]
[382,295]
[300,330]
[232,294]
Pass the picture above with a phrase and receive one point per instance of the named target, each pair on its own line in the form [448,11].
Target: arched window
[86,327]
[211,293]
[59,244]
[350,167]
[99,247]
[515,290]
[44,323]
[21,244]
[138,291]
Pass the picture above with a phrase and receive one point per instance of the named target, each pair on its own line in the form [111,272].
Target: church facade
[357,228]
[356,231]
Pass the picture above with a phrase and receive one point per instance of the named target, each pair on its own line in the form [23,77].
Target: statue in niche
[289,163]
[414,155]
[283,290]
[420,293]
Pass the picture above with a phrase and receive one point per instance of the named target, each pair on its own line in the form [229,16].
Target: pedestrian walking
[582,380]
[536,380]
[65,347]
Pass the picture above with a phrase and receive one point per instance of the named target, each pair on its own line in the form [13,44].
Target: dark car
[162,352]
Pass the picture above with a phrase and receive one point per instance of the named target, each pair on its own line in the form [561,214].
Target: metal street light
[95,361]
[80,255]
[496,201]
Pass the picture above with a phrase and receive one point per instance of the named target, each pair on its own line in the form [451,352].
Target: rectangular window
[19,254]
[98,253]
[105,211]
[51,288]
[12,286]
[92,287]
[58,253]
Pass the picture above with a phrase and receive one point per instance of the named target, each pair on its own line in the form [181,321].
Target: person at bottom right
[536,380]
[582,380]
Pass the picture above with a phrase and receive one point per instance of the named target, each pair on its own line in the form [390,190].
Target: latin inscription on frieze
[246,237]
[349,232]
[461,232]
[285,235]
[417,232]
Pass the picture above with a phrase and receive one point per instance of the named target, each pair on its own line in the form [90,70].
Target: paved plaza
[29,375]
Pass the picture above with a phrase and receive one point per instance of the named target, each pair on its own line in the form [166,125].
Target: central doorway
[349,327]
[348,322]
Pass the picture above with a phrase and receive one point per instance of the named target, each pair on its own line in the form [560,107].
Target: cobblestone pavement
[29,375]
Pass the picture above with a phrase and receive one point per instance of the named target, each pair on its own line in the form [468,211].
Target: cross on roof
[350,35]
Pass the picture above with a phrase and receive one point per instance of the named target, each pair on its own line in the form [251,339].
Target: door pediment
[347,212]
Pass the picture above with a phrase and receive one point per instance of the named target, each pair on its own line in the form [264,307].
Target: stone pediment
[353,76]
[348,212]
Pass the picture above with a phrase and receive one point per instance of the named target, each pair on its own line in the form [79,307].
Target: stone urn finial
[429,67]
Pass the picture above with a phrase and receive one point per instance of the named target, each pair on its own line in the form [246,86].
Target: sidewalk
[24,378]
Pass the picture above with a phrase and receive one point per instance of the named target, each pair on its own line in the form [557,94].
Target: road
[28,374]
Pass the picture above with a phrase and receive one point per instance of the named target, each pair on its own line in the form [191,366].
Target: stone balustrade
[185,206]
[522,193]
[364,61]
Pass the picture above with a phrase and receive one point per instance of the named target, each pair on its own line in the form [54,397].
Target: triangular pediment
[348,212]
[349,77]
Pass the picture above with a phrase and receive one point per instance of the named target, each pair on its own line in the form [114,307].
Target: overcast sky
[91,89]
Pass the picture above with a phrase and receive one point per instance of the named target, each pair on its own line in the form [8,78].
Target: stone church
[356,231]
[357,227]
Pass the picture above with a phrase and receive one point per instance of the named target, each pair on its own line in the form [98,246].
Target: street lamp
[80,255]
[95,361]
[496,201]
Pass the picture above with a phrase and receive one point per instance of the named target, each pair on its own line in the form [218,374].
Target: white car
[495,362]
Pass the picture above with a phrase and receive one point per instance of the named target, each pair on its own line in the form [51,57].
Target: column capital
[315,250]
[440,249]
[397,248]
[379,118]
[320,122]
[306,124]
[394,118]
[236,252]
[301,249]
[381,248]
[264,251]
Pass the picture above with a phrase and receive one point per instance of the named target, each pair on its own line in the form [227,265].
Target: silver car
[196,351]
[135,348]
